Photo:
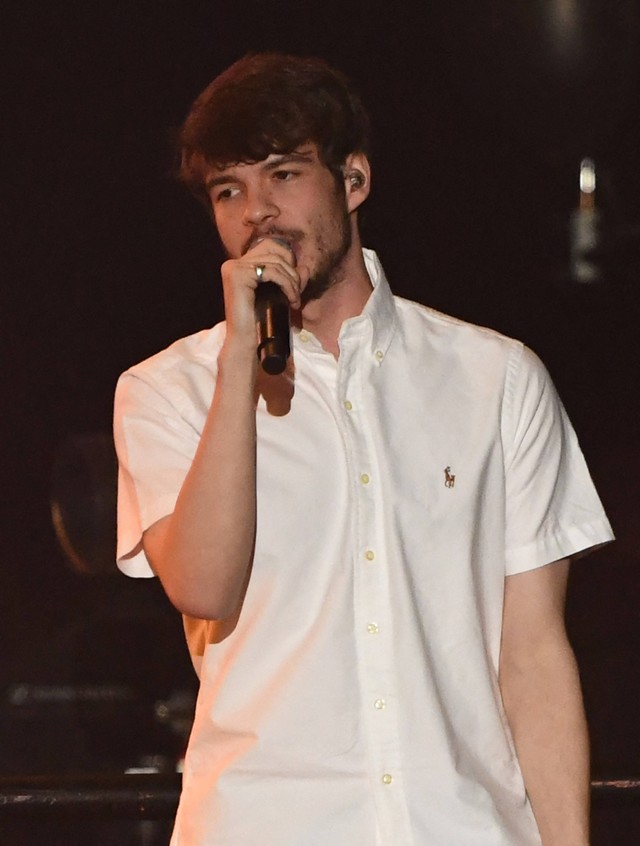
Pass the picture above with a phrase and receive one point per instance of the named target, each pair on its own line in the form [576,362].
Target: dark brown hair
[271,103]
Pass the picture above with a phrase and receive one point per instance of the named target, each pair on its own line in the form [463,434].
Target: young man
[370,549]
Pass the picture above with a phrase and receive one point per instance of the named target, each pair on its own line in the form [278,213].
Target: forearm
[202,551]
[544,707]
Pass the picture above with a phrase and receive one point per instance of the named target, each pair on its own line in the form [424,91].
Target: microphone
[272,317]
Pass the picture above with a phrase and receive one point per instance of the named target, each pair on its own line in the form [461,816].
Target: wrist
[238,356]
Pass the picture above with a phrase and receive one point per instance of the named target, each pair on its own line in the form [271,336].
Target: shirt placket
[372,614]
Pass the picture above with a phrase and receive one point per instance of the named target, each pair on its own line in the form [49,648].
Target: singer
[370,549]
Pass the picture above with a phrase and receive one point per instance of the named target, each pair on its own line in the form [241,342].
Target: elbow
[198,583]
[203,602]
[201,608]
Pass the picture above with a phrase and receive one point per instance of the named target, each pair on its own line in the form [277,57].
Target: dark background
[481,113]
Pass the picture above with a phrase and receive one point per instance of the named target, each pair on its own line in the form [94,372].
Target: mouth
[290,240]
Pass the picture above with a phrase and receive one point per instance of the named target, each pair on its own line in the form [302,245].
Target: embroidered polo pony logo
[449,478]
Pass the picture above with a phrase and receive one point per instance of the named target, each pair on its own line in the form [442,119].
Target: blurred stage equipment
[83,502]
[584,228]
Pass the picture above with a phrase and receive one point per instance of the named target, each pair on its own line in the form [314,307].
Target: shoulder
[456,341]
[196,350]
[183,371]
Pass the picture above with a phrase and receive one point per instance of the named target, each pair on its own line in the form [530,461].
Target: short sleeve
[552,508]
[155,446]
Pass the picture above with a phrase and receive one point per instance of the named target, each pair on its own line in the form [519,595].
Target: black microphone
[272,316]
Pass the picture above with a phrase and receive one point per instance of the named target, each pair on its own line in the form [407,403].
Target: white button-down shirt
[354,698]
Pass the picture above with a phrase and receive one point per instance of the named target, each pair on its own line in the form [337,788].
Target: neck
[346,298]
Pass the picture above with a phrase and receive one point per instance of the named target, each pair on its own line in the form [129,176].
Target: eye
[284,175]
[226,193]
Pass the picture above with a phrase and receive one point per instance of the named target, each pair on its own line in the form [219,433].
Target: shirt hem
[556,546]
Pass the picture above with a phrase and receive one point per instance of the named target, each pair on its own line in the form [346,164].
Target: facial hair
[328,273]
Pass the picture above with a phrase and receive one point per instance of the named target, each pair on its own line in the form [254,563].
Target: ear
[357,179]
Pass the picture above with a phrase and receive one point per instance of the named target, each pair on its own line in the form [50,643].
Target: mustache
[287,237]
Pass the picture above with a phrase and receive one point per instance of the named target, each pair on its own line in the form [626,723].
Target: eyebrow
[301,157]
[296,156]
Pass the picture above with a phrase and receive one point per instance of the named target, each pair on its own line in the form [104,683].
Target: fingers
[278,263]
[240,280]
[275,244]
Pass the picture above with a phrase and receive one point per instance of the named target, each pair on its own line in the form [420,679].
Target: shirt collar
[379,312]
[380,308]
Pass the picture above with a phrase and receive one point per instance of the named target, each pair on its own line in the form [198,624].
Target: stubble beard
[329,271]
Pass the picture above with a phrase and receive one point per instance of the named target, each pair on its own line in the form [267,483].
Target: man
[370,549]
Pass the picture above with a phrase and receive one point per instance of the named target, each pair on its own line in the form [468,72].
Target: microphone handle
[272,317]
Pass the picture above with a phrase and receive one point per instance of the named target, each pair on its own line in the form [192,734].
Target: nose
[259,206]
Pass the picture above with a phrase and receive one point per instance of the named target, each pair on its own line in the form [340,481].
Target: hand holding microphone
[272,317]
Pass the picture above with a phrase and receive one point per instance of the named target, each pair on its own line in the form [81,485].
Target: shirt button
[379,355]
[369,555]
[364,478]
[379,704]
[387,778]
[372,628]
[348,405]
[304,336]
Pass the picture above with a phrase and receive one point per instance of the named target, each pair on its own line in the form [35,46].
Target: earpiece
[357,179]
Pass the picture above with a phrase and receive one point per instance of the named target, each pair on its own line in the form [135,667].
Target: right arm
[203,550]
